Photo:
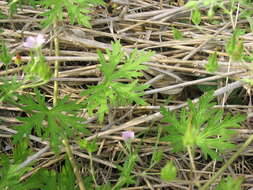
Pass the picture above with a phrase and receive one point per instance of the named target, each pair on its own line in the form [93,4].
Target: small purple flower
[34,42]
[128,135]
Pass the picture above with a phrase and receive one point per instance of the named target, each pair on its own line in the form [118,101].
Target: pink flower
[34,42]
[127,135]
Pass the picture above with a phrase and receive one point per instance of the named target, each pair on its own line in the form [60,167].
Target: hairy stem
[222,169]
[73,164]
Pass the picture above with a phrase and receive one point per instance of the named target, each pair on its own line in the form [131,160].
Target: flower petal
[127,135]
[34,42]
[40,39]
[30,42]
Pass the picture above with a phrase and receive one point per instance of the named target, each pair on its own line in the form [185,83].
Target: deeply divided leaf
[201,126]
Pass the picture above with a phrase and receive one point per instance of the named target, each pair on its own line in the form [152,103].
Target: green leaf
[53,124]
[89,146]
[21,151]
[168,172]
[5,56]
[210,13]
[230,183]
[104,187]
[77,11]
[207,3]
[9,88]
[201,126]
[2,16]
[10,176]
[177,35]
[212,64]
[38,68]
[156,157]
[126,170]
[196,16]
[191,4]
[110,92]
[61,180]
[234,46]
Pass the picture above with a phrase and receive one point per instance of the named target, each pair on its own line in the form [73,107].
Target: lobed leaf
[201,126]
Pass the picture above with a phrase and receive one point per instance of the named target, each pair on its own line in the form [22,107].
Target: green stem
[33,85]
[222,169]
[56,64]
[73,164]
[92,169]
[193,167]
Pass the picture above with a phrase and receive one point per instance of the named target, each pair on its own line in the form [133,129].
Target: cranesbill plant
[111,92]
[77,11]
[52,124]
[201,126]
[56,10]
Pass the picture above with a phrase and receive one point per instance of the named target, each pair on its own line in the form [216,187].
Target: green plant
[125,174]
[177,35]
[53,124]
[5,56]
[169,172]
[8,88]
[77,11]
[37,69]
[234,46]
[63,180]
[230,183]
[157,153]
[15,4]
[212,64]
[196,16]
[43,179]
[37,72]
[10,173]
[201,127]
[228,7]
[90,147]
[9,176]
[111,92]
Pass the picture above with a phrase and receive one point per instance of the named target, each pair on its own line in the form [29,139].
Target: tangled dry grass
[176,71]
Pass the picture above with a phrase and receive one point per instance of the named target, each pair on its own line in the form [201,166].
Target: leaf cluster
[89,146]
[227,7]
[43,179]
[15,4]
[230,183]
[63,180]
[125,174]
[168,172]
[212,64]
[5,55]
[177,34]
[112,92]
[201,126]
[10,173]
[10,176]
[77,11]
[53,124]
[234,46]
[8,88]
